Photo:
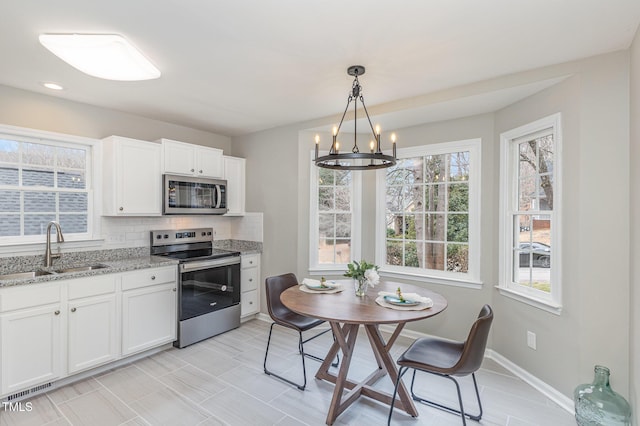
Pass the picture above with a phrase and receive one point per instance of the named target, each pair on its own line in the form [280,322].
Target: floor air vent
[30,392]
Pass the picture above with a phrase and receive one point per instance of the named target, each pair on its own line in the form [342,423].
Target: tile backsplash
[121,232]
[131,232]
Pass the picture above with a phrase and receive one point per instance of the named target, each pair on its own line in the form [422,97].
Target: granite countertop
[243,246]
[118,260]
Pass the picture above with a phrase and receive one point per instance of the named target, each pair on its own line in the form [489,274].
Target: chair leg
[334,364]
[395,391]
[270,373]
[460,412]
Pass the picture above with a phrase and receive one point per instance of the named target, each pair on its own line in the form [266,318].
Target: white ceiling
[239,66]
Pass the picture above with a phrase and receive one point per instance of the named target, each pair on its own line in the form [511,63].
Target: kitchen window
[334,220]
[44,177]
[428,214]
[530,201]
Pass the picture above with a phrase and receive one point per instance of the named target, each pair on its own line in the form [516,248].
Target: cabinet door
[31,345]
[209,162]
[139,178]
[148,317]
[93,332]
[179,158]
[249,303]
[234,173]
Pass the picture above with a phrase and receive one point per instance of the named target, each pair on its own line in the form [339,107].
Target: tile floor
[220,382]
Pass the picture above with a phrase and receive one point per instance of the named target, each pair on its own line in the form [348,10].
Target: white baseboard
[547,390]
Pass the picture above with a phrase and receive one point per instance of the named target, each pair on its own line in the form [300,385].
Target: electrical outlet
[531,340]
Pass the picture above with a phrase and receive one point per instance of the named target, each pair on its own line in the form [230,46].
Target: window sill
[456,282]
[545,305]
[329,271]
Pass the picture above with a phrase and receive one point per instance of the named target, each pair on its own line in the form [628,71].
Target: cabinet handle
[200,171]
[121,208]
[193,170]
[153,277]
[56,313]
[250,280]
[175,289]
[73,309]
[251,262]
[251,303]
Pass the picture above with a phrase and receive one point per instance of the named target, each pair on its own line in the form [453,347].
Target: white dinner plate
[398,302]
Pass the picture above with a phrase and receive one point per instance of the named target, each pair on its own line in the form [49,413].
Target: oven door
[208,285]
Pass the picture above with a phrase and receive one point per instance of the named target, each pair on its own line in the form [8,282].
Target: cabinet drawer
[148,277]
[249,279]
[29,296]
[249,303]
[91,286]
[250,261]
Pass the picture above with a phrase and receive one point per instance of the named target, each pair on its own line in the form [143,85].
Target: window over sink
[44,177]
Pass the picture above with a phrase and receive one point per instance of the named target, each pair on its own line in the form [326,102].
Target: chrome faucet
[48,256]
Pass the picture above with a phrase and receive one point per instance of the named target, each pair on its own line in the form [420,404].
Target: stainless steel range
[209,287]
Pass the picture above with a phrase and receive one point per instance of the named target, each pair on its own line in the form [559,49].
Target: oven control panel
[166,237]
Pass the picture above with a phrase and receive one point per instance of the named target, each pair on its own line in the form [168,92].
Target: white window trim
[508,179]
[471,279]
[356,210]
[92,238]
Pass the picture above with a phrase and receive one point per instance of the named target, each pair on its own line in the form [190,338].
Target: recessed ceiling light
[107,56]
[53,86]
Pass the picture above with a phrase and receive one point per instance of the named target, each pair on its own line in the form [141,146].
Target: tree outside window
[429,213]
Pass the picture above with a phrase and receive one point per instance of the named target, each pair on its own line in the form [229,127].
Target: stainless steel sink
[23,275]
[81,268]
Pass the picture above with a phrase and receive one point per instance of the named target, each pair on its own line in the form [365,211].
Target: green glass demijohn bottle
[598,405]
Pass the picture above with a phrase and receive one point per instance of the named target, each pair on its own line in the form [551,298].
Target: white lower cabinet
[249,279]
[149,309]
[92,322]
[52,330]
[31,347]
[31,325]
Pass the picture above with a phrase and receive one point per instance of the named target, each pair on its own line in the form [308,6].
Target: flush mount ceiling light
[52,86]
[107,56]
[356,160]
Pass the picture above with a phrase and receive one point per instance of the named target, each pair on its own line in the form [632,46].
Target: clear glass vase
[598,405]
[361,285]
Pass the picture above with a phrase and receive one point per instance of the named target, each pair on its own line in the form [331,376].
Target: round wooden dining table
[346,312]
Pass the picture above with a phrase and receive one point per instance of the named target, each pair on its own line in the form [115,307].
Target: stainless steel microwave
[192,195]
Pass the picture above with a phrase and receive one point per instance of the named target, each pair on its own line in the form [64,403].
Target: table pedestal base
[345,339]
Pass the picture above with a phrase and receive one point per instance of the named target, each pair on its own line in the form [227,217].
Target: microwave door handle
[218,196]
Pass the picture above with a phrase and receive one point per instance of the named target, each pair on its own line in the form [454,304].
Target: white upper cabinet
[132,177]
[234,174]
[186,159]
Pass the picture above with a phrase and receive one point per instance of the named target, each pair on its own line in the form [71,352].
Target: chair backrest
[476,343]
[275,286]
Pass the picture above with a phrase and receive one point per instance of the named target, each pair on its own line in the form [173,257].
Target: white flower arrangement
[372,277]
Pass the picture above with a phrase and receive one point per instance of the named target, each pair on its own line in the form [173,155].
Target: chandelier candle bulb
[317,143]
[393,143]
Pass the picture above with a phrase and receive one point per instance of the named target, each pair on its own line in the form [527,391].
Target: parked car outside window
[539,252]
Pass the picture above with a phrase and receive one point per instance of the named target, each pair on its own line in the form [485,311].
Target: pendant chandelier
[356,160]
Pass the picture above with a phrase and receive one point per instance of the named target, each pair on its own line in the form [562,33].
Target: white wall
[634,300]
[33,110]
[595,314]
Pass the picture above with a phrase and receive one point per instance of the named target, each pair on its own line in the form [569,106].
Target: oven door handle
[208,264]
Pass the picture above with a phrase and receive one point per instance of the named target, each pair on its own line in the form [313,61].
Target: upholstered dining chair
[283,316]
[448,358]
